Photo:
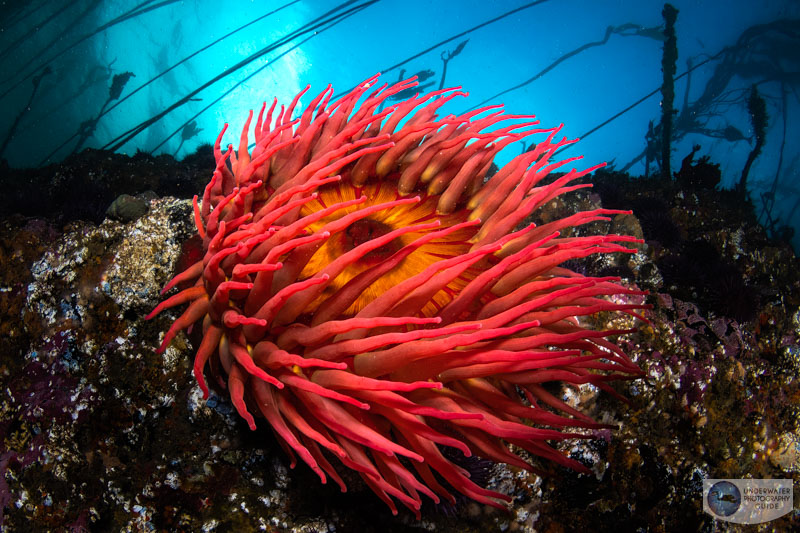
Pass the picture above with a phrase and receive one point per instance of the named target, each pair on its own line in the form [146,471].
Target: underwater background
[108,110]
[162,77]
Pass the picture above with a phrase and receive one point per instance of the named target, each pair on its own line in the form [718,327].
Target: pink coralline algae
[375,296]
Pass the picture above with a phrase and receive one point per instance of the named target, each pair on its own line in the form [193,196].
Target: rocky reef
[99,433]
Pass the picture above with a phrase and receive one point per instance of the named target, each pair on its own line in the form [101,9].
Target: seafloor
[99,433]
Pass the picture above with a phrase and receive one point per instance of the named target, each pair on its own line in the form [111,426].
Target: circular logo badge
[724,498]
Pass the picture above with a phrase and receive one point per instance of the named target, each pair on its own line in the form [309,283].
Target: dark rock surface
[99,433]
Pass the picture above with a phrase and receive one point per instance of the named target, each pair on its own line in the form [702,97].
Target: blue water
[586,81]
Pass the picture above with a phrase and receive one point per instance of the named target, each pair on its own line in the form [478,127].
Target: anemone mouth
[363,231]
[413,257]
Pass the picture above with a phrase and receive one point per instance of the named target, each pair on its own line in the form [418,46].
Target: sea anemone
[371,293]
